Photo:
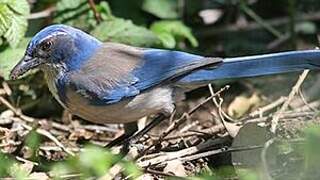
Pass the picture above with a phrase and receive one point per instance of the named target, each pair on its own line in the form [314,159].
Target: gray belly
[148,103]
[157,100]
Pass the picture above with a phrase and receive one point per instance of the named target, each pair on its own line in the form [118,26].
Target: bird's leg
[135,138]
[129,138]
[129,130]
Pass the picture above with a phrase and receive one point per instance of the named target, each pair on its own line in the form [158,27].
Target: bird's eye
[46,45]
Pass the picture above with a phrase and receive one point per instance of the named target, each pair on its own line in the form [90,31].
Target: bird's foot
[133,142]
[130,139]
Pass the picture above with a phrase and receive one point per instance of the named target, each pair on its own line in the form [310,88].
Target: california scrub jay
[117,83]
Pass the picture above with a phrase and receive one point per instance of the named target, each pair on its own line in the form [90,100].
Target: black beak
[25,64]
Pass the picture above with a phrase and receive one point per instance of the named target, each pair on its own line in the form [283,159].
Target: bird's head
[56,46]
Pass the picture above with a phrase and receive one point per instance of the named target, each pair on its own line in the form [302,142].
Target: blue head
[57,46]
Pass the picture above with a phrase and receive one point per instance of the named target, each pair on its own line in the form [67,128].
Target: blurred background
[224,28]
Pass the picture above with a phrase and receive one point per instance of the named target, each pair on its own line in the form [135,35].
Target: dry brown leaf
[27,167]
[38,176]
[210,16]
[4,132]
[146,177]
[80,133]
[7,114]
[243,104]
[175,167]
[232,128]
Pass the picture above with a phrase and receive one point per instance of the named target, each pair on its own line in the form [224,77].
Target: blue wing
[118,72]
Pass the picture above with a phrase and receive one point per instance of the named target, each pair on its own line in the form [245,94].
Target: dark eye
[45,46]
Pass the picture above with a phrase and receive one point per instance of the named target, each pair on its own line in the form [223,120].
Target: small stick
[16,111]
[294,91]
[222,114]
[26,161]
[179,121]
[95,12]
[264,159]
[268,107]
[151,159]
[151,171]
[217,151]
[51,137]
[42,14]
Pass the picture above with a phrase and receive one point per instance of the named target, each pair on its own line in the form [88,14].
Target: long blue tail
[250,66]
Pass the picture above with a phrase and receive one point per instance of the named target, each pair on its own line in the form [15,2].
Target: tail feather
[251,66]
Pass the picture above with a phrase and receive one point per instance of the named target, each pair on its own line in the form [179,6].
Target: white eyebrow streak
[53,35]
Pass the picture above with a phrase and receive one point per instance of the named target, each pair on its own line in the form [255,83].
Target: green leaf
[6,162]
[167,39]
[18,172]
[306,27]
[73,13]
[13,22]
[9,57]
[97,159]
[124,31]
[131,169]
[312,146]
[171,31]
[77,13]
[19,6]
[166,9]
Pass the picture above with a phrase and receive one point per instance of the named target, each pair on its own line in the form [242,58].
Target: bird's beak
[25,64]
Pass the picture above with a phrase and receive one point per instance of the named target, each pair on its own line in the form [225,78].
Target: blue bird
[117,83]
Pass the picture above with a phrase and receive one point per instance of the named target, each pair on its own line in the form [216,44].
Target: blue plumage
[153,68]
[115,83]
[250,66]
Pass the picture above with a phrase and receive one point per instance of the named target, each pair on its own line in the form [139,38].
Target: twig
[6,88]
[284,115]
[192,153]
[218,105]
[55,148]
[16,111]
[179,121]
[215,129]
[153,159]
[26,161]
[99,128]
[294,91]
[51,137]
[217,151]
[209,131]
[264,159]
[306,103]
[206,32]
[61,127]
[39,131]
[279,41]
[208,99]
[259,20]
[70,176]
[113,172]
[151,171]
[184,135]
[42,14]
[260,111]
[95,12]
